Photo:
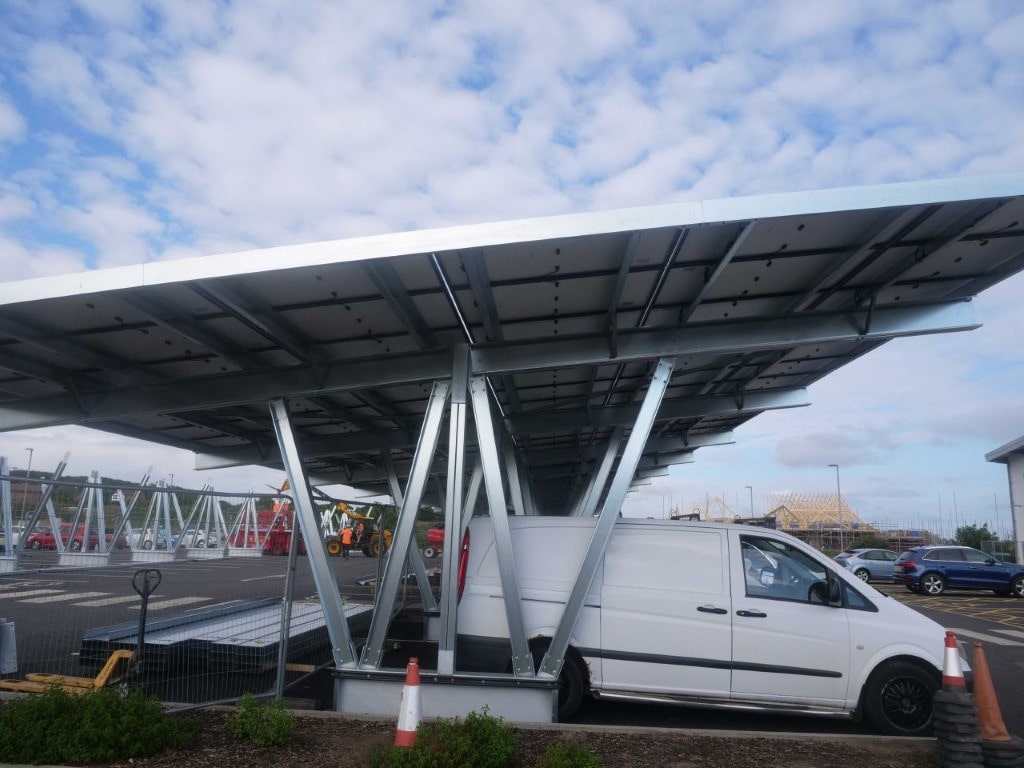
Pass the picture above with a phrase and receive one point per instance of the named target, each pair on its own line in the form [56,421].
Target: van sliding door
[665,618]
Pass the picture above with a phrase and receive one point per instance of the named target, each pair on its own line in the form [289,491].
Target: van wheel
[933,584]
[898,699]
[571,683]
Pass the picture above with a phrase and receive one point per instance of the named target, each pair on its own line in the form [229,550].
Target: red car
[43,538]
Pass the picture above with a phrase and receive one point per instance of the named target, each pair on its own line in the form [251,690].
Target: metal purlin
[589,500]
[404,528]
[415,558]
[343,650]
[453,510]
[552,663]
[522,663]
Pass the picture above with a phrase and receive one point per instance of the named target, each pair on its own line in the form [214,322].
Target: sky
[143,131]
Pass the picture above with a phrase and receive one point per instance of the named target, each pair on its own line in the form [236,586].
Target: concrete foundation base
[379,692]
[244,552]
[84,558]
[209,553]
[152,556]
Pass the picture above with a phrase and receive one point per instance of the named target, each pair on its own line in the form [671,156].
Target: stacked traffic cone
[999,749]
[956,715]
[409,709]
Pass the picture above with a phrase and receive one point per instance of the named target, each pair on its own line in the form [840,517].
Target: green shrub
[568,755]
[93,727]
[265,725]
[480,741]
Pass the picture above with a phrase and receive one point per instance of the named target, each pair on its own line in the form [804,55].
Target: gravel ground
[326,739]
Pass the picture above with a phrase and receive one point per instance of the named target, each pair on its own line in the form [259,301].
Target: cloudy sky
[142,131]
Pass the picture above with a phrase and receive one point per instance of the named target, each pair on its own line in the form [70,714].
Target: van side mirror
[835,593]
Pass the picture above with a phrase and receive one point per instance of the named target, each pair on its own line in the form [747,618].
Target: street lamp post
[24,491]
[839,503]
[751,489]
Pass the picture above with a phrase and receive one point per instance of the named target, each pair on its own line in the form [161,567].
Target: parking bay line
[29,593]
[63,598]
[984,636]
[157,605]
[108,601]
[1011,632]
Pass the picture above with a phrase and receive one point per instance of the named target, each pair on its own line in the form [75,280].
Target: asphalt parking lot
[72,600]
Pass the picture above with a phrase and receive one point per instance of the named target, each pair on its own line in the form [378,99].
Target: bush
[93,727]
[265,725]
[568,755]
[480,741]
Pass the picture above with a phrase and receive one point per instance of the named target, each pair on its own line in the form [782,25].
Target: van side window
[775,570]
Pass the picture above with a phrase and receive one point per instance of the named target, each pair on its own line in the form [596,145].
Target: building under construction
[822,520]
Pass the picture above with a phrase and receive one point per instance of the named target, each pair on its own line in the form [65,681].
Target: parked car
[701,614]
[16,531]
[933,570]
[41,538]
[867,564]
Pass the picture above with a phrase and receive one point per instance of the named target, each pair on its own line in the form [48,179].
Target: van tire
[898,699]
[571,681]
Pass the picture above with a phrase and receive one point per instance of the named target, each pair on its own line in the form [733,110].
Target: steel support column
[522,663]
[420,471]
[588,504]
[343,650]
[453,501]
[515,484]
[552,663]
[414,556]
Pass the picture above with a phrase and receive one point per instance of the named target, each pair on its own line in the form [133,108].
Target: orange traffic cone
[990,719]
[409,709]
[952,670]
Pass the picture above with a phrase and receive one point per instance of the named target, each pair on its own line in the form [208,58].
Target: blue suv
[933,570]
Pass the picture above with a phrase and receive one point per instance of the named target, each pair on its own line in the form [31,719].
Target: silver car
[868,564]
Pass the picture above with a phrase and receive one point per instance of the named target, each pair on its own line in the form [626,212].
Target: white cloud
[131,132]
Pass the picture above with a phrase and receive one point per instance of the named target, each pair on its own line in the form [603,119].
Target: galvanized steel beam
[522,662]
[404,528]
[343,650]
[552,663]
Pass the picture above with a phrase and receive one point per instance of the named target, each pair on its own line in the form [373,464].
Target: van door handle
[710,609]
[752,614]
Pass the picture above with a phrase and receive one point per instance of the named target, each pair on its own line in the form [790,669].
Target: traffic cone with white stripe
[955,715]
[409,709]
[952,670]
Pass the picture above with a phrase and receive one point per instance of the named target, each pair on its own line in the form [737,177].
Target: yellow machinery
[112,671]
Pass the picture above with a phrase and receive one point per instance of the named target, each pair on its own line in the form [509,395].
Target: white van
[705,614]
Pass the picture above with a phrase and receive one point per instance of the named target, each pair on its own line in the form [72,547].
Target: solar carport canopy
[564,318]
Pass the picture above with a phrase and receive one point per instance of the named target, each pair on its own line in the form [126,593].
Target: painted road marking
[29,593]
[108,601]
[983,636]
[1011,632]
[63,598]
[257,578]
[156,606]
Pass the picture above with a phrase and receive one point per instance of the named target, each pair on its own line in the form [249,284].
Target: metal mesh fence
[193,579]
